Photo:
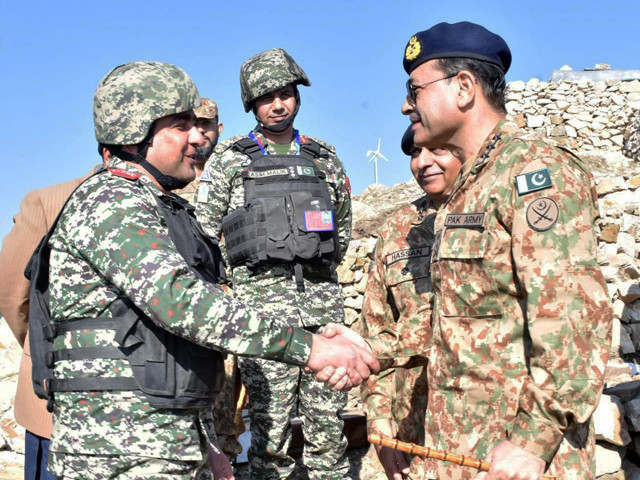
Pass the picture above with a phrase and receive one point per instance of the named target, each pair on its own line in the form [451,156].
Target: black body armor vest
[170,371]
[288,215]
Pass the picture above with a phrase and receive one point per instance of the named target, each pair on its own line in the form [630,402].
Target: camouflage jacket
[397,312]
[522,317]
[112,240]
[221,191]
[190,191]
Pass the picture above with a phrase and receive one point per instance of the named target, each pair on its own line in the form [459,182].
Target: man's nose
[195,137]
[407,106]
[277,104]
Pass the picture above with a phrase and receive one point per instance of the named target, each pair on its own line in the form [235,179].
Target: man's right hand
[340,363]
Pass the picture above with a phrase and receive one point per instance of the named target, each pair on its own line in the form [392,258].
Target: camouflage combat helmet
[267,72]
[134,95]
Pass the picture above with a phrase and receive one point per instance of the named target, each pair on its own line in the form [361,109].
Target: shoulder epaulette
[323,144]
[119,172]
[228,143]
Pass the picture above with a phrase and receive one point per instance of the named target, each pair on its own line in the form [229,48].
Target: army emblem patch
[542,214]
[533,181]
[414,48]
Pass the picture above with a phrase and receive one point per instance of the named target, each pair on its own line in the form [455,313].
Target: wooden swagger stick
[426,452]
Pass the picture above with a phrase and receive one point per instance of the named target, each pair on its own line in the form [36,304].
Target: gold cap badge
[413,48]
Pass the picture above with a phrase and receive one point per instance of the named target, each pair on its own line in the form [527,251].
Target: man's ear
[467,89]
[220,128]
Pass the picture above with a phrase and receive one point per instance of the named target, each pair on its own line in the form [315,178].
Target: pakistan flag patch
[533,181]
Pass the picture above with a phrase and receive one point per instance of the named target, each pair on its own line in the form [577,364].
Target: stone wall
[584,115]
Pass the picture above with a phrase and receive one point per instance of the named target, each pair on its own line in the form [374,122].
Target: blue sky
[53,53]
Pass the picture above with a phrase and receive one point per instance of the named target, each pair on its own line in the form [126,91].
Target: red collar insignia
[119,172]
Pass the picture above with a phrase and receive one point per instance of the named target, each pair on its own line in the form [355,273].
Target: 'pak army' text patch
[533,181]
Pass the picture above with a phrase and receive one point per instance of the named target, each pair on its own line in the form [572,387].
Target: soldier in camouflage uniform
[119,280]
[522,318]
[288,282]
[227,431]
[397,300]
[210,128]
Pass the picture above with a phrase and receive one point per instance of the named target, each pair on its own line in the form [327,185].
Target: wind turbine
[375,154]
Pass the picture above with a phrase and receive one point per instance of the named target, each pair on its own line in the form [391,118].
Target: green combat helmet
[134,95]
[267,72]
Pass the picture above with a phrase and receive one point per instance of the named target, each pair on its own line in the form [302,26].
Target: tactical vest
[288,215]
[170,371]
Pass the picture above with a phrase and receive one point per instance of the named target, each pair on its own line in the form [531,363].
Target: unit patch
[542,214]
[533,181]
[205,177]
[407,254]
[203,193]
[465,220]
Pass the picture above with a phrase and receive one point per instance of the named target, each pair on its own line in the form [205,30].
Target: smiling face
[276,106]
[173,146]
[435,170]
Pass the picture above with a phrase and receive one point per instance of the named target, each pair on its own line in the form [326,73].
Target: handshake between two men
[341,358]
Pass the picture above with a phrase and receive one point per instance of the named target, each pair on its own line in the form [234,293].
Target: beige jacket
[38,210]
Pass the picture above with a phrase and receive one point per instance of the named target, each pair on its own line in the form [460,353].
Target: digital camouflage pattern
[267,72]
[112,239]
[272,289]
[208,109]
[522,318]
[130,468]
[396,312]
[227,431]
[190,191]
[134,95]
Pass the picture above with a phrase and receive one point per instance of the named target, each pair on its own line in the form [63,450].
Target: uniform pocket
[468,286]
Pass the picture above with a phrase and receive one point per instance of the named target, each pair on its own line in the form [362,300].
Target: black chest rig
[169,370]
[288,215]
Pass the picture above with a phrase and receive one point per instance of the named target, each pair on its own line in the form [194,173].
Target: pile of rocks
[587,114]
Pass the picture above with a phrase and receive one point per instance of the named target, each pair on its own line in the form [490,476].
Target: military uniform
[274,388]
[397,301]
[522,318]
[227,431]
[111,240]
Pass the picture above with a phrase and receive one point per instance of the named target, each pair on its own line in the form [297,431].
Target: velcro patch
[268,173]
[542,214]
[306,171]
[407,254]
[533,181]
[205,177]
[465,220]
[318,221]
[119,172]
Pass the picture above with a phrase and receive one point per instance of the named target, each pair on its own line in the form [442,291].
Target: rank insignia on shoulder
[542,214]
[119,172]
[533,181]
